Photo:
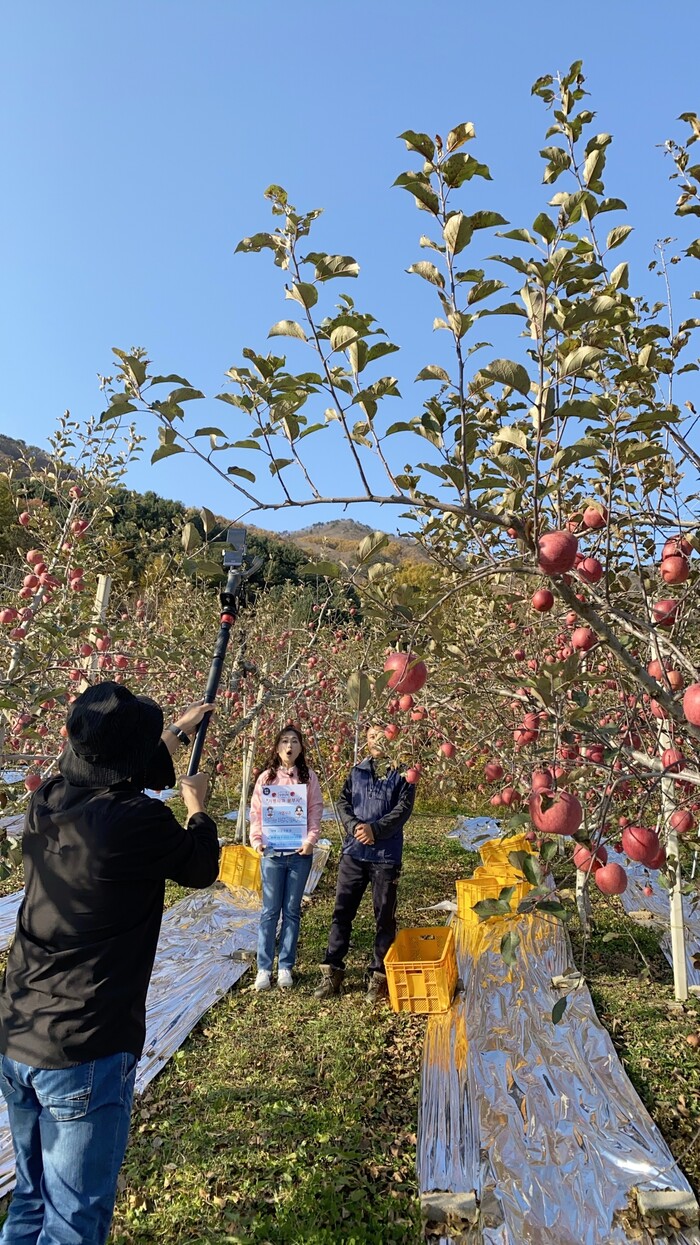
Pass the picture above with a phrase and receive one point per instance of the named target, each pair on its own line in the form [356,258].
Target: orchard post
[99,614]
[668,804]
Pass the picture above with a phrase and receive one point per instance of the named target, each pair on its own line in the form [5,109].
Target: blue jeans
[69,1131]
[284,876]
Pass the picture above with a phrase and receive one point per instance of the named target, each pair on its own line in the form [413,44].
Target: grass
[285,1121]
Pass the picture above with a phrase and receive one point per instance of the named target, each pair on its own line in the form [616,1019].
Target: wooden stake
[668,805]
[99,614]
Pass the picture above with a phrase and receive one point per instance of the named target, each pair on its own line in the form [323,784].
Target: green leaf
[379,349]
[486,220]
[593,166]
[116,410]
[191,538]
[434,372]
[619,277]
[372,544]
[483,289]
[209,432]
[185,394]
[617,236]
[457,232]
[330,266]
[173,379]
[241,471]
[509,945]
[513,436]
[287,328]
[552,907]
[558,161]
[459,169]
[343,336]
[506,372]
[303,292]
[207,567]
[420,188]
[422,143]
[258,241]
[544,227]
[460,135]
[517,235]
[429,272]
[486,908]
[165,451]
[359,690]
[558,1010]
[580,359]
[208,520]
[323,570]
[612,205]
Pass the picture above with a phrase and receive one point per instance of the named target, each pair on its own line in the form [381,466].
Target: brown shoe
[378,988]
[331,982]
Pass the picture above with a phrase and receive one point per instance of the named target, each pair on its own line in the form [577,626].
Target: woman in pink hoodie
[285,822]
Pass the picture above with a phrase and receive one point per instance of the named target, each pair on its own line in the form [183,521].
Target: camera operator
[97,853]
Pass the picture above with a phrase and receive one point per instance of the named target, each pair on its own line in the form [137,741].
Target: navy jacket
[384,803]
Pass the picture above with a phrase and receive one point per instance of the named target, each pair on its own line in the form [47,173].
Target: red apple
[542,600]
[583,639]
[408,672]
[640,843]
[557,812]
[595,517]
[665,612]
[682,820]
[557,552]
[675,570]
[611,879]
[583,857]
[691,704]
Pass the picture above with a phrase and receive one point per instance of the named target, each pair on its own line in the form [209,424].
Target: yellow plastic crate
[240,868]
[421,970]
[488,886]
[497,851]
[471,891]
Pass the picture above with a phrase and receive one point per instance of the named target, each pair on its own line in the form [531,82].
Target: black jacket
[95,864]
[384,802]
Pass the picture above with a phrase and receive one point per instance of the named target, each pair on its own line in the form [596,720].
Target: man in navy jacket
[374,806]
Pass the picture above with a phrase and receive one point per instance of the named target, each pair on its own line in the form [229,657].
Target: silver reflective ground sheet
[538,1120]
[207,942]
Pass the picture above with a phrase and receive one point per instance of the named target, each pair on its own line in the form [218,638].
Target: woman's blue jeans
[69,1131]
[284,877]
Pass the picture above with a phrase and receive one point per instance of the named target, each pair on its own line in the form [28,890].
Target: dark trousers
[354,876]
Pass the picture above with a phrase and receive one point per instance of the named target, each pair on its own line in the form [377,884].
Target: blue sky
[137,139]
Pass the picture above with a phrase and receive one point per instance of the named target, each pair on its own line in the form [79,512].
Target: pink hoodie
[288,778]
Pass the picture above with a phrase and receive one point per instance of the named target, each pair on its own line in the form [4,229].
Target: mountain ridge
[331,540]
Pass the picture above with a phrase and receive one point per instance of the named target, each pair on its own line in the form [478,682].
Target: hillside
[339,538]
[163,519]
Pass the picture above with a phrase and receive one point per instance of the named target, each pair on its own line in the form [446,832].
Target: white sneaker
[284,979]
[262,981]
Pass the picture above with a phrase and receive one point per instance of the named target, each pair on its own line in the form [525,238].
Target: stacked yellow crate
[492,876]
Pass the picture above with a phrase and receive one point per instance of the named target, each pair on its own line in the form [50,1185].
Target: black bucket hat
[112,736]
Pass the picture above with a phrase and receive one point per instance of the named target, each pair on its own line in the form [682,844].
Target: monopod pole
[233,559]
[228,617]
